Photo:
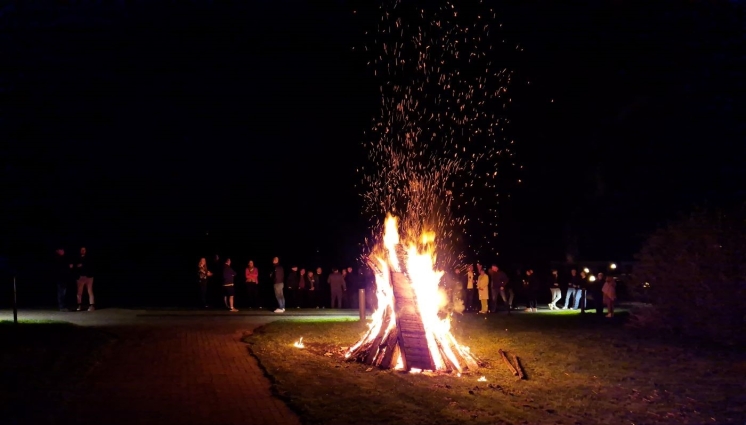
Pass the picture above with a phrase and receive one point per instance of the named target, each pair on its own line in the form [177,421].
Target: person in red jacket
[252,285]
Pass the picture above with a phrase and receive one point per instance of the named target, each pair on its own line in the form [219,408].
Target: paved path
[173,368]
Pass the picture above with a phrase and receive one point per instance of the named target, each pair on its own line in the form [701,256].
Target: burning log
[507,362]
[412,336]
[518,367]
[406,332]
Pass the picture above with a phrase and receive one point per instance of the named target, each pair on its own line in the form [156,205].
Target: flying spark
[438,145]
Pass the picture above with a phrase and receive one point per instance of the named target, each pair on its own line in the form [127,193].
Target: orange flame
[424,278]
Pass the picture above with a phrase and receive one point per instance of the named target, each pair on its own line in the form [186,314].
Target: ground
[162,367]
[43,362]
[581,370]
[136,367]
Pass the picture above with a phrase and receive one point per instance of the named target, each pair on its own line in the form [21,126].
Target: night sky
[157,132]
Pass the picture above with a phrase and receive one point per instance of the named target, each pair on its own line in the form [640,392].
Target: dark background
[158,132]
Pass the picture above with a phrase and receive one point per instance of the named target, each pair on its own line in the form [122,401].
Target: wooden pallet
[411,336]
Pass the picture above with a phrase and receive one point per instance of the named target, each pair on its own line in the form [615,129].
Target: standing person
[492,274]
[338,287]
[371,298]
[303,286]
[507,293]
[531,289]
[61,276]
[353,287]
[469,299]
[554,289]
[278,279]
[202,275]
[455,297]
[322,286]
[609,291]
[499,281]
[596,288]
[483,285]
[291,288]
[573,290]
[314,290]
[582,291]
[344,296]
[252,285]
[84,270]
[229,288]
[215,284]
[310,289]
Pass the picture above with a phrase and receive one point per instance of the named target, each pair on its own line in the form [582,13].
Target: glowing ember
[299,343]
[482,379]
[411,266]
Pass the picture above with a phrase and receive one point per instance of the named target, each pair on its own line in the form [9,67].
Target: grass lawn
[580,370]
[40,362]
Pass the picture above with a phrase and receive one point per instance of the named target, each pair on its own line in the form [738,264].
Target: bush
[693,271]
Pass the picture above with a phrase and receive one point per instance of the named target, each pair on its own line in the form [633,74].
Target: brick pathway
[185,373]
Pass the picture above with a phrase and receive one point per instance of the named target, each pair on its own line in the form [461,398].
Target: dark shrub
[694,273]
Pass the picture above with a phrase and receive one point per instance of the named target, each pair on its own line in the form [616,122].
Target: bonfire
[408,331]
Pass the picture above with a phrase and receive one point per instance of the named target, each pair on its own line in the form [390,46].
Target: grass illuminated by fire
[580,370]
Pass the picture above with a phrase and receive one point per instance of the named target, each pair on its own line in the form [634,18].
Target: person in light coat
[483,286]
[609,291]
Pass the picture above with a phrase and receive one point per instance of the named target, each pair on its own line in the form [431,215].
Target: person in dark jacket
[314,291]
[303,286]
[555,290]
[371,298]
[322,285]
[530,289]
[61,276]
[338,287]
[214,287]
[499,286]
[278,279]
[573,290]
[84,270]
[292,282]
[583,291]
[229,288]
[353,283]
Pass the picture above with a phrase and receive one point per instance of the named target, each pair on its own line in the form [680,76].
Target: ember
[299,343]
[406,332]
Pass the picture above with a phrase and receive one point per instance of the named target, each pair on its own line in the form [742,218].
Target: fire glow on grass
[416,259]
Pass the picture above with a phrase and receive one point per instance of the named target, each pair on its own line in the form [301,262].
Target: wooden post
[507,362]
[518,367]
[361,304]
[15,302]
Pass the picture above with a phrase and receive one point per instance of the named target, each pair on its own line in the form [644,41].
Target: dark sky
[146,125]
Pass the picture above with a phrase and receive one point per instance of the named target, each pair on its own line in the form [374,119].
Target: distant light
[592,278]
[646,285]
[613,266]
[586,270]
